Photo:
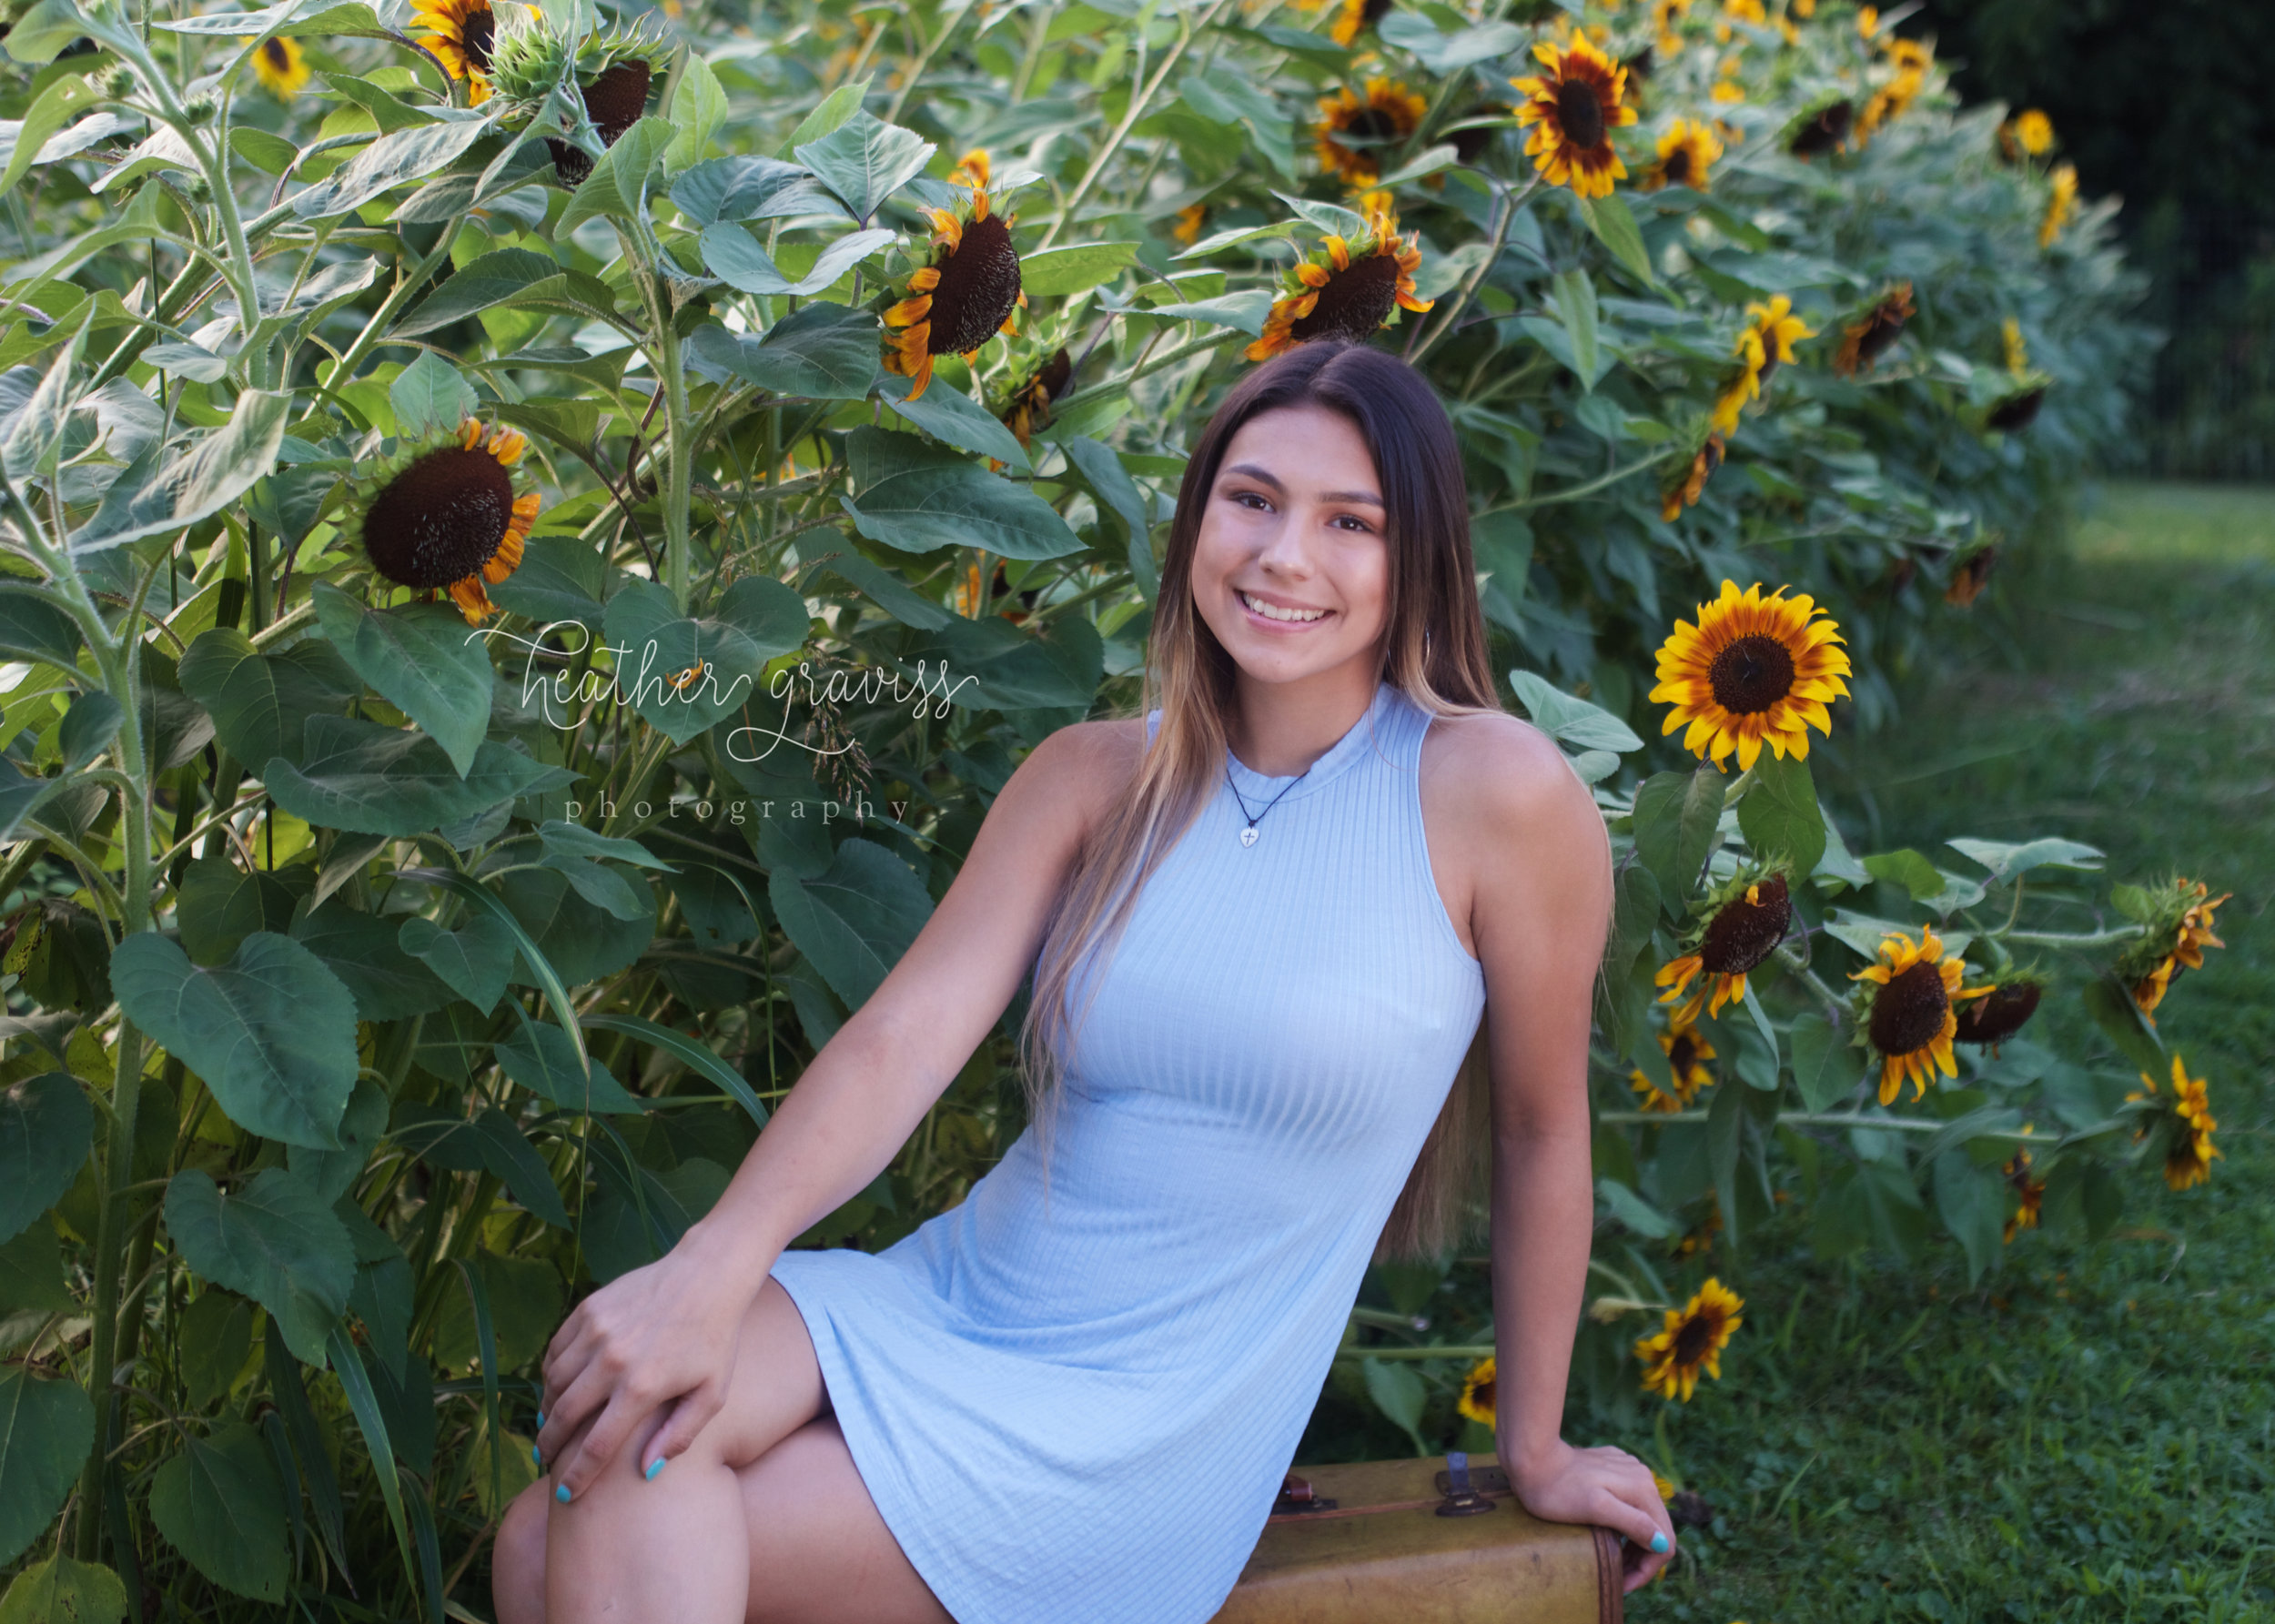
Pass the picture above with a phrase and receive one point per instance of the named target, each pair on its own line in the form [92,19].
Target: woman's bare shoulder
[1076,773]
[1491,765]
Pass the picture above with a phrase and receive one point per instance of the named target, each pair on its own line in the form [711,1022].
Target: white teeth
[1272,611]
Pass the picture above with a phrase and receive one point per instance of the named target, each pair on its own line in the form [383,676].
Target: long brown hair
[1434,649]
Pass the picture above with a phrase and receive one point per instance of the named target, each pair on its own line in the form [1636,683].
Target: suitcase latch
[1295,1495]
[1463,1498]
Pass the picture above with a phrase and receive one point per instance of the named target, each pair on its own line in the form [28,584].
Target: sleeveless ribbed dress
[1081,1415]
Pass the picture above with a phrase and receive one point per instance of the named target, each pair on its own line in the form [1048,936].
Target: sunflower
[1189,220]
[1686,1050]
[2058,205]
[967,294]
[1347,293]
[1576,105]
[1868,20]
[2029,132]
[2032,1192]
[1864,342]
[1765,345]
[1912,1022]
[612,71]
[1477,1393]
[1968,575]
[1739,11]
[1470,144]
[1891,101]
[1030,407]
[1742,925]
[2001,1014]
[1691,1341]
[2015,351]
[449,511]
[2188,1157]
[1686,156]
[1823,130]
[2182,917]
[1354,17]
[1388,114]
[1700,1236]
[460,35]
[1753,669]
[281,67]
[1664,14]
[1685,490]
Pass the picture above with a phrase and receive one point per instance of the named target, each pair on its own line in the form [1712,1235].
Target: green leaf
[65,1590]
[1725,1139]
[276,1240]
[888,591]
[1576,310]
[1055,272]
[688,1052]
[2005,860]
[215,1341]
[543,1058]
[1415,35]
[917,498]
[1615,228]
[564,839]
[1972,1202]
[45,29]
[857,919]
[561,578]
[699,106]
[31,1274]
[363,950]
[272,1031]
[1570,721]
[388,162]
[865,160]
[1825,1069]
[1101,469]
[506,275]
[63,99]
[1633,1211]
[35,628]
[745,186]
[834,109]
[505,1152]
[1907,868]
[374,780]
[45,1128]
[1779,812]
[421,658]
[1677,814]
[604,887]
[618,182]
[1397,1392]
[755,619]
[355,1380]
[820,351]
[260,703]
[949,415]
[88,728]
[45,1429]
[998,665]
[2120,1019]
[219,1504]
[172,496]
[1243,311]
[733,256]
[430,395]
[473,961]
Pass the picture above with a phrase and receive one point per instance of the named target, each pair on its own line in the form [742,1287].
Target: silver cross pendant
[1248,835]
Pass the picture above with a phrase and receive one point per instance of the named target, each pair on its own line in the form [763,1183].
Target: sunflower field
[531,536]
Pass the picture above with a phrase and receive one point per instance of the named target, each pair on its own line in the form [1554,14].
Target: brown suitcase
[1427,1541]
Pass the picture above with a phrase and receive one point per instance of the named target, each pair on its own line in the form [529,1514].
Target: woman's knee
[516,1562]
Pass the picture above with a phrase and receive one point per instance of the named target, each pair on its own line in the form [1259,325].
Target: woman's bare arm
[667,1332]
[1539,862]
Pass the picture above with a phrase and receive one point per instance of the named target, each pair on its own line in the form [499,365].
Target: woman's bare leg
[814,1547]
[678,1547]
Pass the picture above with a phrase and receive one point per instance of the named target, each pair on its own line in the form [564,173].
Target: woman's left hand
[1605,1486]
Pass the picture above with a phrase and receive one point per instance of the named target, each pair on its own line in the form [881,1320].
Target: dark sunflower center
[1885,326]
[440,519]
[979,284]
[1481,1394]
[1742,933]
[1908,1012]
[1753,673]
[1679,167]
[1354,302]
[1052,380]
[1682,1056]
[1999,1016]
[1693,1342]
[476,34]
[614,102]
[274,50]
[1373,124]
[1580,113]
[2018,412]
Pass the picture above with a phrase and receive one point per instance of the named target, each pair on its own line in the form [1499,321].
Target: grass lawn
[2090,1433]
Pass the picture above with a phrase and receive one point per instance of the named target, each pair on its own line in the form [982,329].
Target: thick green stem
[1827,1119]
[2108,938]
[679,458]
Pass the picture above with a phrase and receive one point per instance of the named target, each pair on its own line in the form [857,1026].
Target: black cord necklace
[1248,835]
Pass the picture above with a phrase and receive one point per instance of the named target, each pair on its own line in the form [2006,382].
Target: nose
[1284,552]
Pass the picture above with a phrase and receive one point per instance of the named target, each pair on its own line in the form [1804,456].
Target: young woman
[1264,925]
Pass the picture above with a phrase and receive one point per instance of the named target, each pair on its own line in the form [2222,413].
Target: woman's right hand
[663,1336]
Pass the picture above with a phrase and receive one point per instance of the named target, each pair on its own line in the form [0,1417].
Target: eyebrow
[1266,477]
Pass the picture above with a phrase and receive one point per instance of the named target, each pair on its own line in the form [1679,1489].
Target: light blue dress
[1082,1415]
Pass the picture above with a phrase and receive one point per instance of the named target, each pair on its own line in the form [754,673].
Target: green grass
[2090,1433]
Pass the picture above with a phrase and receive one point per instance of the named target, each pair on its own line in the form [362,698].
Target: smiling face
[1292,564]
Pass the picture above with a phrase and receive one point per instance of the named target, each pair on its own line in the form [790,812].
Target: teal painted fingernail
[561,1493]
[535,1459]
[654,1467]
[1658,1539]
[540,1418]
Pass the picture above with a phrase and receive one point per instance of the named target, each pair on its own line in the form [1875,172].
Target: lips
[1280,615]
